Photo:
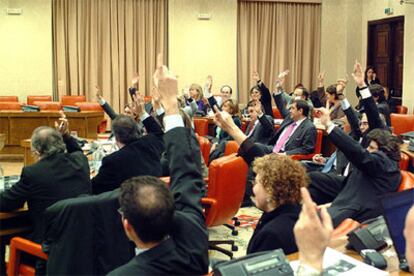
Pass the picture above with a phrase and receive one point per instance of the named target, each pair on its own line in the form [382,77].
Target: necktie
[328,166]
[283,139]
[252,126]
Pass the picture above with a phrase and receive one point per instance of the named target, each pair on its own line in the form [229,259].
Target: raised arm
[266,98]
[105,106]
[63,128]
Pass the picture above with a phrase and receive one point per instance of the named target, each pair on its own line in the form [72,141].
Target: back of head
[387,143]
[148,206]
[377,91]
[47,141]
[125,129]
[331,89]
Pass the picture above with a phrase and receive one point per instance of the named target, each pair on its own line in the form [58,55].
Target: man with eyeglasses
[373,168]
[167,225]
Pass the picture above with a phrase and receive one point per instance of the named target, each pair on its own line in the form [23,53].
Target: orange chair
[32,99]
[204,147]
[276,113]
[10,106]
[344,228]
[231,147]
[226,184]
[17,246]
[201,126]
[318,148]
[92,106]
[404,161]
[402,123]
[407,181]
[401,109]
[71,100]
[9,99]
[48,106]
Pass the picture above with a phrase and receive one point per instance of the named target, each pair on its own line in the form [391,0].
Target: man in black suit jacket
[137,155]
[255,129]
[167,227]
[61,172]
[375,169]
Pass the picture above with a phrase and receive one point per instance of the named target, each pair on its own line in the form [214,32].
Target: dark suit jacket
[59,176]
[260,133]
[141,157]
[85,236]
[275,230]
[185,252]
[266,99]
[373,175]
[302,140]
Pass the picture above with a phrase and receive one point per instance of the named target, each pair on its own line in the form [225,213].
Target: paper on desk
[337,263]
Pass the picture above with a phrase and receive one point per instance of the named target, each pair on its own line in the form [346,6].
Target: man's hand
[256,76]
[340,88]
[135,79]
[138,104]
[319,159]
[312,234]
[321,79]
[98,93]
[156,98]
[224,120]
[325,118]
[281,79]
[258,108]
[63,125]
[358,75]
[166,83]
[209,82]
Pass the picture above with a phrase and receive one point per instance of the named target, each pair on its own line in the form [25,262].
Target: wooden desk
[19,125]
[339,244]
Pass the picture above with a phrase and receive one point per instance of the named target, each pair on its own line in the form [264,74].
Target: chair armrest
[210,209]
[302,156]
[18,245]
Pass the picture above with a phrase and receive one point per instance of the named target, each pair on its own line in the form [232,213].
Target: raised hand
[156,98]
[209,82]
[256,76]
[223,120]
[166,83]
[358,75]
[321,79]
[325,118]
[98,93]
[281,79]
[312,234]
[258,108]
[340,88]
[135,79]
[63,125]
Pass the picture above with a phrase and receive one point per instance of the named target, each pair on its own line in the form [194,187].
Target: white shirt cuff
[278,91]
[330,128]
[173,121]
[101,101]
[144,116]
[365,93]
[345,104]
[160,110]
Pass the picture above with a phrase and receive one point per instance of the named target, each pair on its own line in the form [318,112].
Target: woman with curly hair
[277,193]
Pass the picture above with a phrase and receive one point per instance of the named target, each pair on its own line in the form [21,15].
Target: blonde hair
[199,90]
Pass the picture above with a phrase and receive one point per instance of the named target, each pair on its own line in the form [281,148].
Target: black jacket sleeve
[109,111]
[281,104]
[266,99]
[17,195]
[71,144]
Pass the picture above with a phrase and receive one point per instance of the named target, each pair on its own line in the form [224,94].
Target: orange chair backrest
[276,113]
[48,106]
[401,109]
[318,144]
[407,181]
[226,183]
[89,106]
[71,100]
[9,99]
[32,99]
[231,147]
[402,123]
[10,106]
[201,126]
[204,147]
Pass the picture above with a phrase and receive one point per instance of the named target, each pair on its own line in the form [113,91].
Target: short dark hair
[331,90]
[253,88]
[387,143]
[302,104]
[377,91]
[251,103]
[148,206]
[125,129]
[226,85]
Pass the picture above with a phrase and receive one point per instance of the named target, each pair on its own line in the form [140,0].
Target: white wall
[26,48]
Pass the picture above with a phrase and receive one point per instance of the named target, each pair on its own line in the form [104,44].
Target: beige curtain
[273,37]
[104,43]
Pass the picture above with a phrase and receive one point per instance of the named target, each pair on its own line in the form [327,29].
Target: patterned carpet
[248,218]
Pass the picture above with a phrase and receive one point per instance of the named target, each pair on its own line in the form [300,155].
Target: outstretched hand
[321,79]
[166,83]
[138,104]
[63,125]
[312,233]
[340,88]
[358,75]
[325,118]
[209,82]
[223,120]
[281,79]
[98,93]
[256,76]
[135,79]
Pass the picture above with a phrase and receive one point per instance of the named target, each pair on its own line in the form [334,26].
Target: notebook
[395,208]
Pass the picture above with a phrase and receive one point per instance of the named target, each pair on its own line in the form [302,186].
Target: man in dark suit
[61,172]
[255,129]
[375,169]
[137,155]
[167,226]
